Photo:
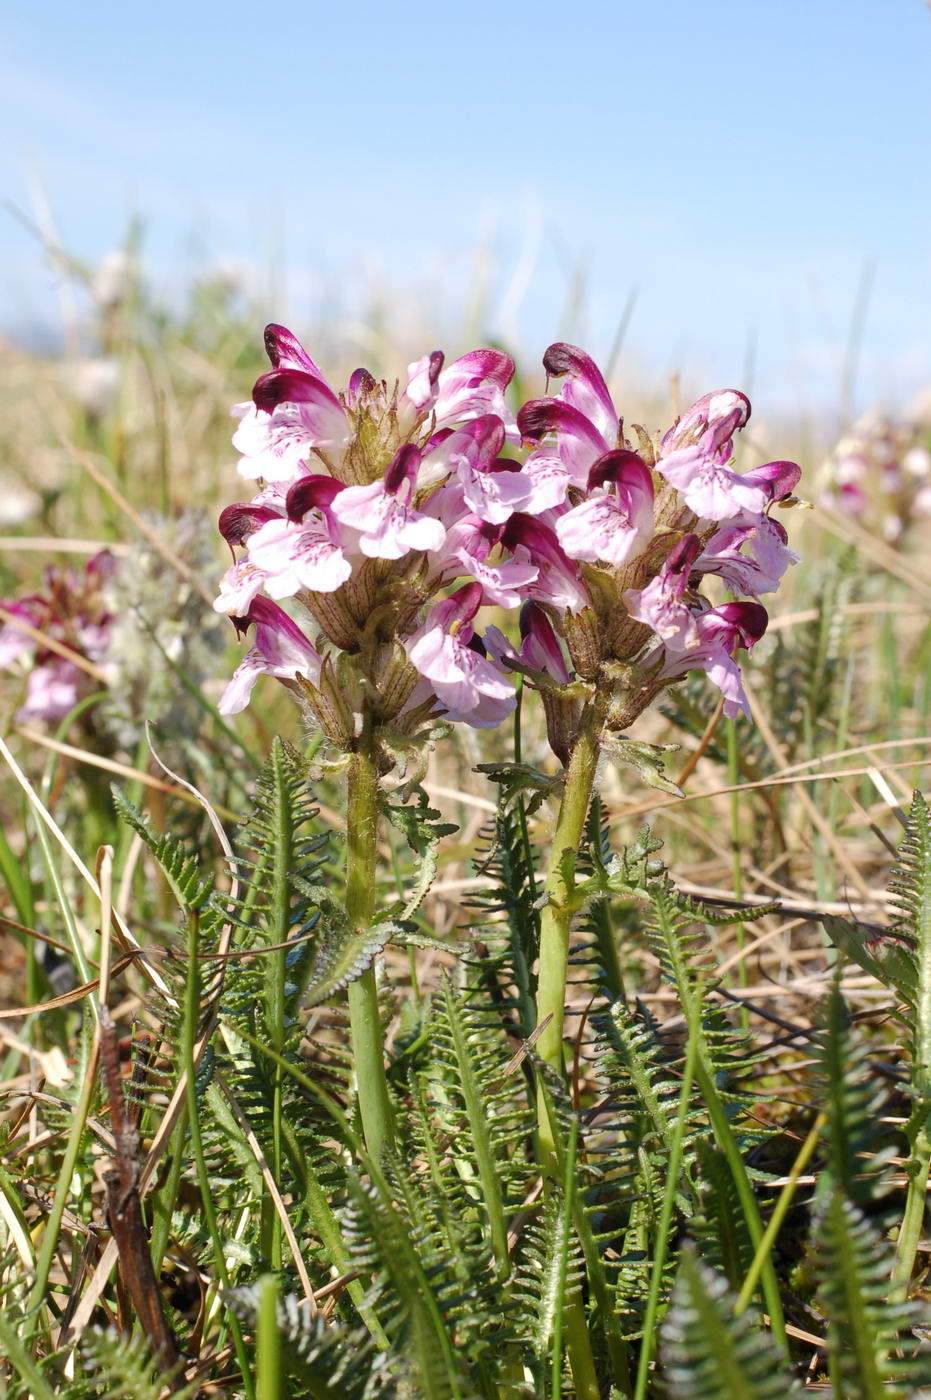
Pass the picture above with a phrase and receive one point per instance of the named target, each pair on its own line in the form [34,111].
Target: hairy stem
[278,923]
[551,995]
[557,912]
[365,1023]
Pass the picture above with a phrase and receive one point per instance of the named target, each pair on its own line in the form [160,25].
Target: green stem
[189,1069]
[551,995]
[557,912]
[278,927]
[919,1170]
[664,1228]
[522,951]
[268,1342]
[165,1198]
[560,884]
[774,1225]
[570,1316]
[574,1321]
[364,1020]
[63,1184]
[733,778]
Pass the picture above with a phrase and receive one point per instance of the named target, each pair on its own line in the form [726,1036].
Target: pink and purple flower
[449,655]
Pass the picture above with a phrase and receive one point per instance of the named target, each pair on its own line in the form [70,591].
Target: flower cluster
[376,501]
[71,609]
[880,474]
[124,625]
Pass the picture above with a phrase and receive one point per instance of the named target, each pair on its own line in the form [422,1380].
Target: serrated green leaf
[647,760]
[516,780]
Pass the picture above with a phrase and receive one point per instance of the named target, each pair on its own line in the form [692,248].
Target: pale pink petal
[710,423]
[241,684]
[386,528]
[280,649]
[724,672]
[495,495]
[549,482]
[474,385]
[604,528]
[291,413]
[708,488]
[469,685]
[503,584]
[665,611]
[558,582]
[470,387]
[540,647]
[751,559]
[296,556]
[239,585]
[274,446]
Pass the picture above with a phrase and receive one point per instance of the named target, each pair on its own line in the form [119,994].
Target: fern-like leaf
[118,1367]
[853,1101]
[871,1350]
[181,870]
[708,1353]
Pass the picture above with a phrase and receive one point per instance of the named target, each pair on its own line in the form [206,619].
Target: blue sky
[738,164]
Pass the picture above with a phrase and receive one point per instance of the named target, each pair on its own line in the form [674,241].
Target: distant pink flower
[71,608]
[279,649]
[381,515]
[446,652]
[15,643]
[616,521]
[52,691]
